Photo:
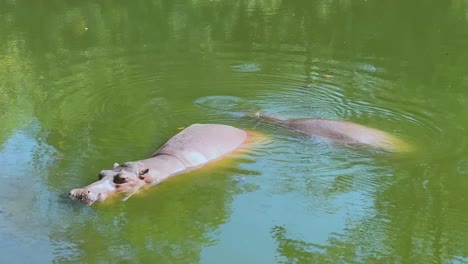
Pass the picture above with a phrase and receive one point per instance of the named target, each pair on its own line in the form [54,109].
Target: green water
[84,84]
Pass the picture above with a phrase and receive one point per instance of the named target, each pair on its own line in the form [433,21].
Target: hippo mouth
[86,196]
[97,191]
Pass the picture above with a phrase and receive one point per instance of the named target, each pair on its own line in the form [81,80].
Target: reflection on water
[248,67]
[85,84]
[24,215]
[223,103]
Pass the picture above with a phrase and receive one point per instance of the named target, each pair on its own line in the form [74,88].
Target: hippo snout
[86,196]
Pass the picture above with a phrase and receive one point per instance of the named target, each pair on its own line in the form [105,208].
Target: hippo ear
[116,165]
[143,172]
[146,177]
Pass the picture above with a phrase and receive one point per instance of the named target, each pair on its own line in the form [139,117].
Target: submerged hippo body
[341,132]
[193,147]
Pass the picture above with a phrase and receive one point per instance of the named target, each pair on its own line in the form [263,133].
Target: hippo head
[125,178]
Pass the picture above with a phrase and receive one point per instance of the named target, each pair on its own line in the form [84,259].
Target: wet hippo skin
[193,147]
[341,132]
[201,143]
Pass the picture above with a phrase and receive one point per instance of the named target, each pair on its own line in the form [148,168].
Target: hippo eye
[119,179]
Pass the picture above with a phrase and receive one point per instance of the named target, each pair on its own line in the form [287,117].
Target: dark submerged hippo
[193,147]
[341,132]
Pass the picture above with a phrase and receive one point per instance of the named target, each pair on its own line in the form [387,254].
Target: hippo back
[201,143]
[348,132]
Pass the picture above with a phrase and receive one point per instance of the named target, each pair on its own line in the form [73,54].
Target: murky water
[85,84]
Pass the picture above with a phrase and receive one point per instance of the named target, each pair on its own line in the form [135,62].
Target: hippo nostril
[89,192]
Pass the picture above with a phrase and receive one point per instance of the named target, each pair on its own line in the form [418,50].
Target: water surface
[86,84]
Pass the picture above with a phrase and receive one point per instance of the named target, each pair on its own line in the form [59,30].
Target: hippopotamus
[340,132]
[191,148]
[200,144]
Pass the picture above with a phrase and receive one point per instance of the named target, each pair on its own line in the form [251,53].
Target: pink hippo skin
[193,147]
[201,143]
